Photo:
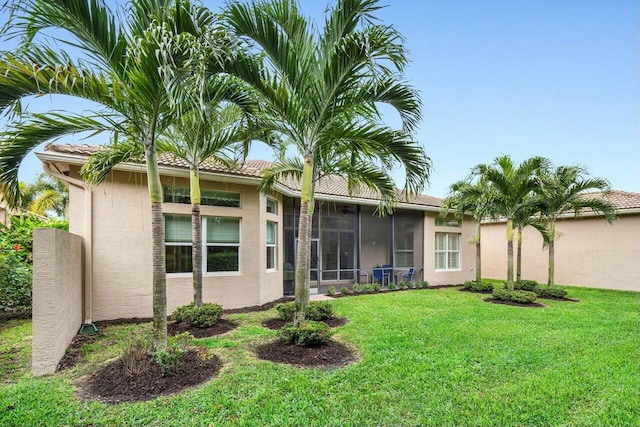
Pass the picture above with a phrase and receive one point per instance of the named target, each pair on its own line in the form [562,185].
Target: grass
[435,357]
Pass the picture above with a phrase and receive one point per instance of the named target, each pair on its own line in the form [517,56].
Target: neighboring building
[6,212]
[248,238]
[588,252]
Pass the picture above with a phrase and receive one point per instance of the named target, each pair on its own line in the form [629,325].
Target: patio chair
[407,277]
[380,275]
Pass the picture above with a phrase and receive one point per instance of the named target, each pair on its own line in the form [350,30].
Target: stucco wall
[590,252]
[122,249]
[57,296]
[467,252]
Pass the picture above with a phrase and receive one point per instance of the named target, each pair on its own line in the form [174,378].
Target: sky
[552,78]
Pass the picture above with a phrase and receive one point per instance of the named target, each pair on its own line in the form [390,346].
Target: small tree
[477,200]
[511,185]
[564,190]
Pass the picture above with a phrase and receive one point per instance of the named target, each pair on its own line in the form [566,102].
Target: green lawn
[435,357]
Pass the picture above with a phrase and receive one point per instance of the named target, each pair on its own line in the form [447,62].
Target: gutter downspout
[87,327]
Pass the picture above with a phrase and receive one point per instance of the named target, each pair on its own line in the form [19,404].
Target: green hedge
[308,333]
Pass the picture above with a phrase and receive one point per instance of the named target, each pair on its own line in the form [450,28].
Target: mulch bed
[475,292]
[110,383]
[263,307]
[330,355]
[513,303]
[222,326]
[72,356]
[561,299]
[276,324]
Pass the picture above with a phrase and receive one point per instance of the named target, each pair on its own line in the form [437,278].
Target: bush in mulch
[480,287]
[316,310]
[331,355]
[513,303]
[111,383]
[222,326]
[204,316]
[276,323]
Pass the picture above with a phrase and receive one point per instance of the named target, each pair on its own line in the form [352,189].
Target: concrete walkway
[320,297]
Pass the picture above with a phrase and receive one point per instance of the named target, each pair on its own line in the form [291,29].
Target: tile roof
[621,200]
[330,186]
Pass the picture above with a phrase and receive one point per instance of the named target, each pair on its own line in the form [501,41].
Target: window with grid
[272,229]
[447,251]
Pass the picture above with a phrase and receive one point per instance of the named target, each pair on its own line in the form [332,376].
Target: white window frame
[446,251]
[273,246]
[205,245]
[275,206]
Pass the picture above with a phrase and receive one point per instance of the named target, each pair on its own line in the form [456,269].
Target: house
[248,238]
[588,251]
[5,212]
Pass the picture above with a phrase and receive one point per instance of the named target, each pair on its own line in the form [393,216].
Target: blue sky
[552,78]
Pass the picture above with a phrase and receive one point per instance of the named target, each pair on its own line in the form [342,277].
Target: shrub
[550,292]
[472,285]
[168,360]
[316,310]
[331,291]
[523,297]
[367,288]
[424,284]
[377,287]
[356,288]
[392,286]
[15,279]
[411,285]
[308,333]
[136,355]
[344,290]
[319,310]
[526,285]
[204,316]
[286,310]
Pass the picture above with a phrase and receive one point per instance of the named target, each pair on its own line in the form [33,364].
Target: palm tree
[123,66]
[321,88]
[564,191]
[511,185]
[476,199]
[45,195]
[215,133]
[524,218]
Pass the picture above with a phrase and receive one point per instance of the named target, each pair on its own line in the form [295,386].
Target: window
[404,227]
[207,197]
[272,229]
[223,244]
[221,241]
[272,206]
[177,235]
[447,251]
[447,222]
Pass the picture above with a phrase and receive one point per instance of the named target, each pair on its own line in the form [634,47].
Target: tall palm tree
[563,191]
[123,66]
[522,219]
[467,197]
[321,88]
[511,185]
[217,132]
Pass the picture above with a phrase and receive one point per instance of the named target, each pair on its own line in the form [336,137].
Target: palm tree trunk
[158,251]
[510,254]
[519,256]
[196,237]
[552,238]
[478,254]
[302,263]
[304,243]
